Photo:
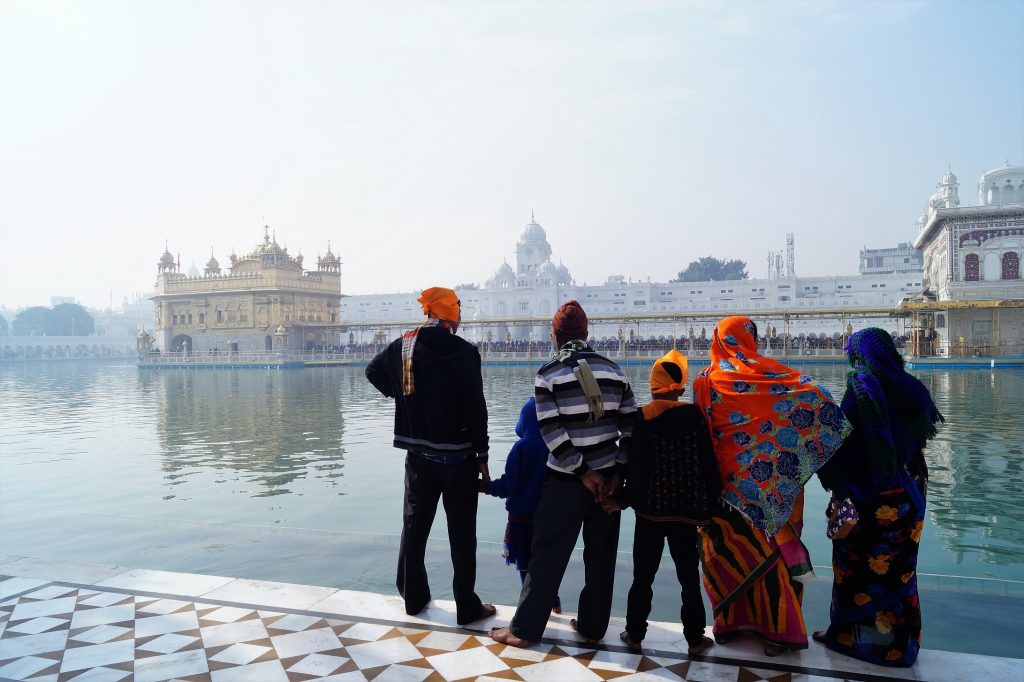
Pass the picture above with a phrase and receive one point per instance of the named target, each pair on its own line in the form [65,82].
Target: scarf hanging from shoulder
[408,345]
[584,376]
[772,427]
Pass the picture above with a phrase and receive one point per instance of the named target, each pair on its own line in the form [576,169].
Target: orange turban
[669,373]
[440,303]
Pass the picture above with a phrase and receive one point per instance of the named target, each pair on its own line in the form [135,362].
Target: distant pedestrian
[586,411]
[672,484]
[520,486]
[441,421]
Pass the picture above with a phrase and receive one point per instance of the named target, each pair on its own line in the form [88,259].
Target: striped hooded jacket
[576,441]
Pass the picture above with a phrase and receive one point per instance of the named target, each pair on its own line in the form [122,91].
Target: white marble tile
[369,632]
[51,592]
[383,652]
[240,654]
[102,675]
[168,644]
[165,582]
[97,655]
[100,634]
[35,609]
[37,625]
[181,664]
[307,642]
[22,668]
[293,622]
[657,675]
[443,641]
[163,606]
[15,647]
[350,676]
[318,664]
[364,604]
[267,593]
[615,661]
[267,671]
[536,652]
[699,671]
[61,571]
[466,663]
[8,558]
[227,614]
[229,633]
[106,599]
[161,625]
[557,669]
[947,666]
[13,586]
[119,613]
[403,673]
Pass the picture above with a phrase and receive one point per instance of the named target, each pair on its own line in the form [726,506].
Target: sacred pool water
[290,476]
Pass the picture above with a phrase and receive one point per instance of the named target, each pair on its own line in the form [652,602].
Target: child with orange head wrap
[672,485]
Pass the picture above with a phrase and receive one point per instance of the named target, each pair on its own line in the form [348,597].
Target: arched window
[971,267]
[991,271]
[1011,265]
[202,318]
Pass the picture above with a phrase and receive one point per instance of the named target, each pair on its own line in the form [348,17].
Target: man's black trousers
[455,484]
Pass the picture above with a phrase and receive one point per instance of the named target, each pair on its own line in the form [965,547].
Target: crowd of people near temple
[719,480]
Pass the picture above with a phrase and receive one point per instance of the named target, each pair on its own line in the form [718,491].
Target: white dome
[949,178]
[1003,185]
[533,232]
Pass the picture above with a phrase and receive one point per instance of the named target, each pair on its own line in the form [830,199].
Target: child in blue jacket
[520,485]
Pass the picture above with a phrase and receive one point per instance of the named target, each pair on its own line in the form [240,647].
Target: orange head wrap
[569,322]
[669,373]
[440,303]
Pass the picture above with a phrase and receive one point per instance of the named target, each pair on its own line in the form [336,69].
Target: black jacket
[446,414]
[673,473]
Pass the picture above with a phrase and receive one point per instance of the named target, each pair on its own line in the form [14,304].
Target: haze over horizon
[417,137]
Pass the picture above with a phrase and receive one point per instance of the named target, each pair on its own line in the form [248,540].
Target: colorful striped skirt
[751,578]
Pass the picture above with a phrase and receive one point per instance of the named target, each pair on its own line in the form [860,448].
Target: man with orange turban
[441,423]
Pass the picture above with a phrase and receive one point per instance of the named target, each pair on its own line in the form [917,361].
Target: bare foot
[700,647]
[572,624]
[819,636]
[628,641]
[556,609]
[505,636]
[486,611]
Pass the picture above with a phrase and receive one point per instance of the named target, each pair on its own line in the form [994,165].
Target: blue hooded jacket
[526,466]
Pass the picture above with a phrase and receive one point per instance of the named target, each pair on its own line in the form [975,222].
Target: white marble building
[973,254]
[536,286]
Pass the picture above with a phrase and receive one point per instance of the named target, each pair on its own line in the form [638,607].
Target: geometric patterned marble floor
[60,630]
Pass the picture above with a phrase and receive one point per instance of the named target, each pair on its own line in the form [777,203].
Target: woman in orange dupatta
[772,428]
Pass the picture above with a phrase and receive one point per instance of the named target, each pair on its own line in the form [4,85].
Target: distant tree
[31,321]
[3,326]
[468,286]
[70,319]
[709,268]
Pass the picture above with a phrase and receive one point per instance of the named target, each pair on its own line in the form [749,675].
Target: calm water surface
[290,475]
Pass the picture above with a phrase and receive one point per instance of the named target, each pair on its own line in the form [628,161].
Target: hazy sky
[417,137]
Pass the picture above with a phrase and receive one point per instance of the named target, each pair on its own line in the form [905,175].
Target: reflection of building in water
[976,467]
[266,301]
[273,428]
[972,257]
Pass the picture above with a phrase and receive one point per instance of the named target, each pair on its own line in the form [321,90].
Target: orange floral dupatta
[772,426]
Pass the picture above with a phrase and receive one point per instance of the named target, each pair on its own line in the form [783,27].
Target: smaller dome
[548,271]
[143,334]
[212,263]
[167,258]
[949,178]
[504,270]
[533,232]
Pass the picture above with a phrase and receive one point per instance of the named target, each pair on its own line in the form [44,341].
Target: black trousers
[455,485]
[648,545]
[566,506]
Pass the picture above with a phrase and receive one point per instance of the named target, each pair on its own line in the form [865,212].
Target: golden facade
[265,301]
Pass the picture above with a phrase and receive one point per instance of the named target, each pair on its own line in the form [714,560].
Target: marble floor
[63,621]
